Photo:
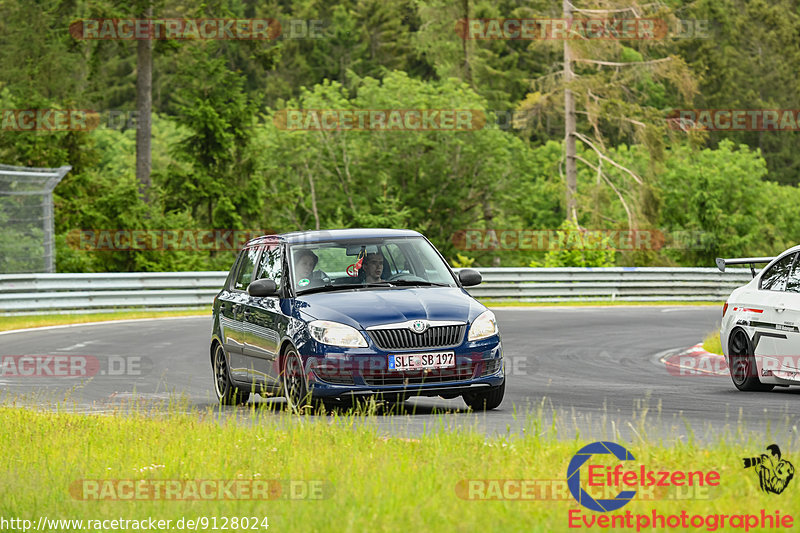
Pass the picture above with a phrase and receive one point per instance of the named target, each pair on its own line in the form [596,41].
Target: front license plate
[422,361]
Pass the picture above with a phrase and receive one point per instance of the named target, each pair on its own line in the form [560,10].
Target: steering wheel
[405,275]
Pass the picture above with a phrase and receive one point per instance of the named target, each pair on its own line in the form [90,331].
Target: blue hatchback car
[335,315]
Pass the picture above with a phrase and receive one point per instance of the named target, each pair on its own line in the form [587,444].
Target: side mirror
[469,277]
[263,287]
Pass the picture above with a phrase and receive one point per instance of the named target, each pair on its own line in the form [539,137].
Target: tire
[227,392]
[742,363]
[293,380]
[486,400]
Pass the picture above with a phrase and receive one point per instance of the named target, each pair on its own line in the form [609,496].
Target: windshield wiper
[419,282]
[327,288]
[379,284]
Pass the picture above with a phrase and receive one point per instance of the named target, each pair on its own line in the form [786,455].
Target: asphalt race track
[593,370]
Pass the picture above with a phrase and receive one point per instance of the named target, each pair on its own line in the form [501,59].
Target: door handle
[780,308]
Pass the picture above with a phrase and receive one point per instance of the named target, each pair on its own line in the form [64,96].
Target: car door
[227,299]
[261,320]
[769,337]
[237,336]
[787,313]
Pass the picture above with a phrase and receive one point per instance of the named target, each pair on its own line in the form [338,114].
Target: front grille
[439,375]
[491,366]
[404,338]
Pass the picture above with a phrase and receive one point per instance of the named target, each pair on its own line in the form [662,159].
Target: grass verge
[599,303]
[8,322]
[367,481]
[712,343]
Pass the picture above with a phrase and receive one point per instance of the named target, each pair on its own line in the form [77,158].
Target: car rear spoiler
[722,263]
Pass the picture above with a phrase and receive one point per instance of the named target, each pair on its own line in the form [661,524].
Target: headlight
[484,326]
[336,334]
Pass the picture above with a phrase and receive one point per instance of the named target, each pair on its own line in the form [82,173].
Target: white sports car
[760,336]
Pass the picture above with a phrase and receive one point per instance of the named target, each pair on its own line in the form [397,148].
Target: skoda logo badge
[418,326]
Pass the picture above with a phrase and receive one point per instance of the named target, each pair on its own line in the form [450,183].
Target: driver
[304,263]
[373,268]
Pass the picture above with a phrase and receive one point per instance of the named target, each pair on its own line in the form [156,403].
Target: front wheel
[742,363]
[293,380]
[227,392]
[486,400]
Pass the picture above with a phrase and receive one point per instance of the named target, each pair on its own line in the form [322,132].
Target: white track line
[101,323]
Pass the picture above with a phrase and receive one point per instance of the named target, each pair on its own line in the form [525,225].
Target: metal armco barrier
[48,293]
[609,284]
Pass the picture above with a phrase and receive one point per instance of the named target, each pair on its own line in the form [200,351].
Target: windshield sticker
[303,282]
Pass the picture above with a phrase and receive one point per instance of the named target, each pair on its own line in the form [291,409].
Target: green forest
[223,158]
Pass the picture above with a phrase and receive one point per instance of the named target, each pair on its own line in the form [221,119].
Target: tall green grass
[375,481]
[712,343]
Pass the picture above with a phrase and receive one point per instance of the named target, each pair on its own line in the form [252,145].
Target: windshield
[371,262]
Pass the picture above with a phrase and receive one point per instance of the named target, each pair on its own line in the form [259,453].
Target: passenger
[373,268]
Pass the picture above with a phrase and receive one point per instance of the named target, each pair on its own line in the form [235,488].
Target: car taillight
[724,309]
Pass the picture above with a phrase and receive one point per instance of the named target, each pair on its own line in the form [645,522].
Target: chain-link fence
[27,242]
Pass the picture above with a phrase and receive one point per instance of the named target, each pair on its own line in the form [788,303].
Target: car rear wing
[722,263]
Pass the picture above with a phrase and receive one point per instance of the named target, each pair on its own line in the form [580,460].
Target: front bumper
[347,373]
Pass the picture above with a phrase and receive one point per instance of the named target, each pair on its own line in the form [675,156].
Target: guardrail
[48,293]
[609,284]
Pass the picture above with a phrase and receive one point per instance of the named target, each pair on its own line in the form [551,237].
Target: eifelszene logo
[617,476]
[574,476]
[774,473]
